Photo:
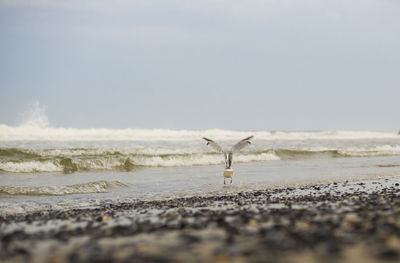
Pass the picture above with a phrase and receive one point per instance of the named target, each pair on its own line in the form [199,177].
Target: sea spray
[35,117]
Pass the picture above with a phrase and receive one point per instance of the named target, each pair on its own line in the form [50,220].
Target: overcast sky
[272,64]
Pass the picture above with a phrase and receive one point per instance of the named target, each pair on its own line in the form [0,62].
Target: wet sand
[338,222]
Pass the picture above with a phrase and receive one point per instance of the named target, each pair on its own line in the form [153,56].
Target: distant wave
[92,187]
[383,150]
[34,133]
[72,160]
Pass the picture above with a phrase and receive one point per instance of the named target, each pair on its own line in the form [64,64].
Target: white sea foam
[79,152]
[205,159]
[23,133]
[71,160]
[36,127]
[91,187]
[381,150]
[125,162]
[30,166]
[36,147]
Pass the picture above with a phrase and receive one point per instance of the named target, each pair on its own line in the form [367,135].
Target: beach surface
[132,195]
[341,222]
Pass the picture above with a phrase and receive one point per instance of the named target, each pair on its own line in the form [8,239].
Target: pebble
[249,226]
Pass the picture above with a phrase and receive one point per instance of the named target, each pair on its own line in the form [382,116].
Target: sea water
[57,168]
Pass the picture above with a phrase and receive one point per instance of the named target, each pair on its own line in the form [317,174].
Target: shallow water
[160,183]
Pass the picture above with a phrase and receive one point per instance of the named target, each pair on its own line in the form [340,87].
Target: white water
[39,162]
[84,188]
[36,127]
[25,133]
[55,156]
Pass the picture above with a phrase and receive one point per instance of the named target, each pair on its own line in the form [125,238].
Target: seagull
[228,172]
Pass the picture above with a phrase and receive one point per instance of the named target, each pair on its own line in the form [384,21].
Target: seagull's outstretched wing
[240,145]
[213,145]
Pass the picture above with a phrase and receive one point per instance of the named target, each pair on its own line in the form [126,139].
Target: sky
[239,64]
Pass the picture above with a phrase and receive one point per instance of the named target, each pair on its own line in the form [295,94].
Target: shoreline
[29,204]
[350,222]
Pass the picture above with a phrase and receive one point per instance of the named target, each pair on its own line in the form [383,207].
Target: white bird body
[228,172]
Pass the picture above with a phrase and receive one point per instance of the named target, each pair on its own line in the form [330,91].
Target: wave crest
[40,133]
[72,160]
[120,161]
[91,187]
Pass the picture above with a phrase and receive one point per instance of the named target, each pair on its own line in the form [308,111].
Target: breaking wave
[72,160]
[92,187]
[35,146]
[380,150]
[38,133]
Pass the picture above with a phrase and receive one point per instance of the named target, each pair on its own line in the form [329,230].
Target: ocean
[57,168]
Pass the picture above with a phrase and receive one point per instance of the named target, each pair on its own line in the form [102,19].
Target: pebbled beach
[345,222]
